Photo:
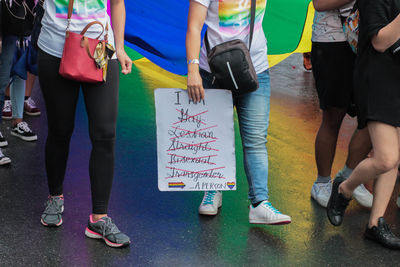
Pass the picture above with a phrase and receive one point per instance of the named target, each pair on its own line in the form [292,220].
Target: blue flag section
[157,30]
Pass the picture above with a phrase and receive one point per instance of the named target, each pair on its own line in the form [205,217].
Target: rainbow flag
[156,29]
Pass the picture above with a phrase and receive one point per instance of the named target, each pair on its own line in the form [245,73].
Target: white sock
[323,179]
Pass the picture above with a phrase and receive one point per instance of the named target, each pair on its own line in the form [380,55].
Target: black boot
[337,204]
[383,235]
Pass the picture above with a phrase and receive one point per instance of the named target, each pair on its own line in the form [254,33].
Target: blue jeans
[18,87]
[253,114]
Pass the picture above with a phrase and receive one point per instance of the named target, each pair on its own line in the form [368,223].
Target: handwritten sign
[195,142]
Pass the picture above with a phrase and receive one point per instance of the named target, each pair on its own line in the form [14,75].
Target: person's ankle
[97,217]
[372,223]
[344,190]
[60,196]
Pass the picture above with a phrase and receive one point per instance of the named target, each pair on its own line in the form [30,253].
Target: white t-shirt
[229,20]
[54,23]
[327,26]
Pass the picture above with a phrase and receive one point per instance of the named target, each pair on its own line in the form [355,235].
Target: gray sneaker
[52,213]
[105,229]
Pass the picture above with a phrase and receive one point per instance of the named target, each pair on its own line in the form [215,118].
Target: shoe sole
[372,238]
[52,224]
[28,139]
[319,202]
[270,223]
[33,113]
[5,161]
[6,117]
[211,213]
[89,233]
[3,144]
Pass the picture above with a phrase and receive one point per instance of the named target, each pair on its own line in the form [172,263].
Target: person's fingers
[190,92]
[129,65]
[123,67]
[197,94]
[202,92]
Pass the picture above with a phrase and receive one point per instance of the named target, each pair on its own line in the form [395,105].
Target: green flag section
[285,24]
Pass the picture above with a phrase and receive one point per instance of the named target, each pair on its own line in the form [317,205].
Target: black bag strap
[252,22]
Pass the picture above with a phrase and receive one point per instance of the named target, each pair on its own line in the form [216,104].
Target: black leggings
[101,100]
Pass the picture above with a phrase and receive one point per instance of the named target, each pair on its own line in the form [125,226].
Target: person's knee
[254,142]
[102,134]
[387,163]
[61,132]
[333,119]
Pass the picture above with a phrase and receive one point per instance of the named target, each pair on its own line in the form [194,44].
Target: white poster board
[195,142]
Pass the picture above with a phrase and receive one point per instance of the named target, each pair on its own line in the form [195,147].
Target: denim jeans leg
[6,59]
[17,94]
[253,113]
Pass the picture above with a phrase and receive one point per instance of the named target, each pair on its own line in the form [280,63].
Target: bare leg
[359,147]
[30,82]
[382,193]
[325,142]
[385,142]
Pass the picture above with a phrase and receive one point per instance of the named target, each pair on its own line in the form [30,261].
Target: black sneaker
[52,213]
[23,131]
[383,235]
[337,203]
[105,229]
[3,142]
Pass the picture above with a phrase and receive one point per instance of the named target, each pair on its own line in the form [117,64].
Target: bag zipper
[231,73]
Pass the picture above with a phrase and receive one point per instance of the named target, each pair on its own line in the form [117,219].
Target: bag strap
[252,22]
[70,9]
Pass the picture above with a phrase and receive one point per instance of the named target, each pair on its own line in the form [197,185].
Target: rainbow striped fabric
[234,15]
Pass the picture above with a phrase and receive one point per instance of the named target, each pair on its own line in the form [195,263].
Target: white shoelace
[327,187]
[24,126]
[7,105]
[31,103]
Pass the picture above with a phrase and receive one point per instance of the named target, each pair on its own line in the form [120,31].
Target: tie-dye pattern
[87,9]
[234,16]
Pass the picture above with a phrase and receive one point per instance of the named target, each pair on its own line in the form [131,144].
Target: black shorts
[332,66]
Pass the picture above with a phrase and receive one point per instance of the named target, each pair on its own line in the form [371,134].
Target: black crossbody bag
[231,64]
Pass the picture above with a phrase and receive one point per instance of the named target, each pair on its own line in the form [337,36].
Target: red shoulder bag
[77,62]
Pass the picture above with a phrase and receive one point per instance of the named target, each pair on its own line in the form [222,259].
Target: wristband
[193,61]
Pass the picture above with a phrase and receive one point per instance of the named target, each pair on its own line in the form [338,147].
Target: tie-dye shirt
[54,23]
[230,19]
[327,26]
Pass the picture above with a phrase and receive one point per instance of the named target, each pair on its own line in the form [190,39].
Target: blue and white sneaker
[212,200]
[265,213]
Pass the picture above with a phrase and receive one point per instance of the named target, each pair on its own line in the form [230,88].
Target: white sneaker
[321,192]
[7,110]
[3,142]
[265,213]
[3,159]
[212,200]
[363,196]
